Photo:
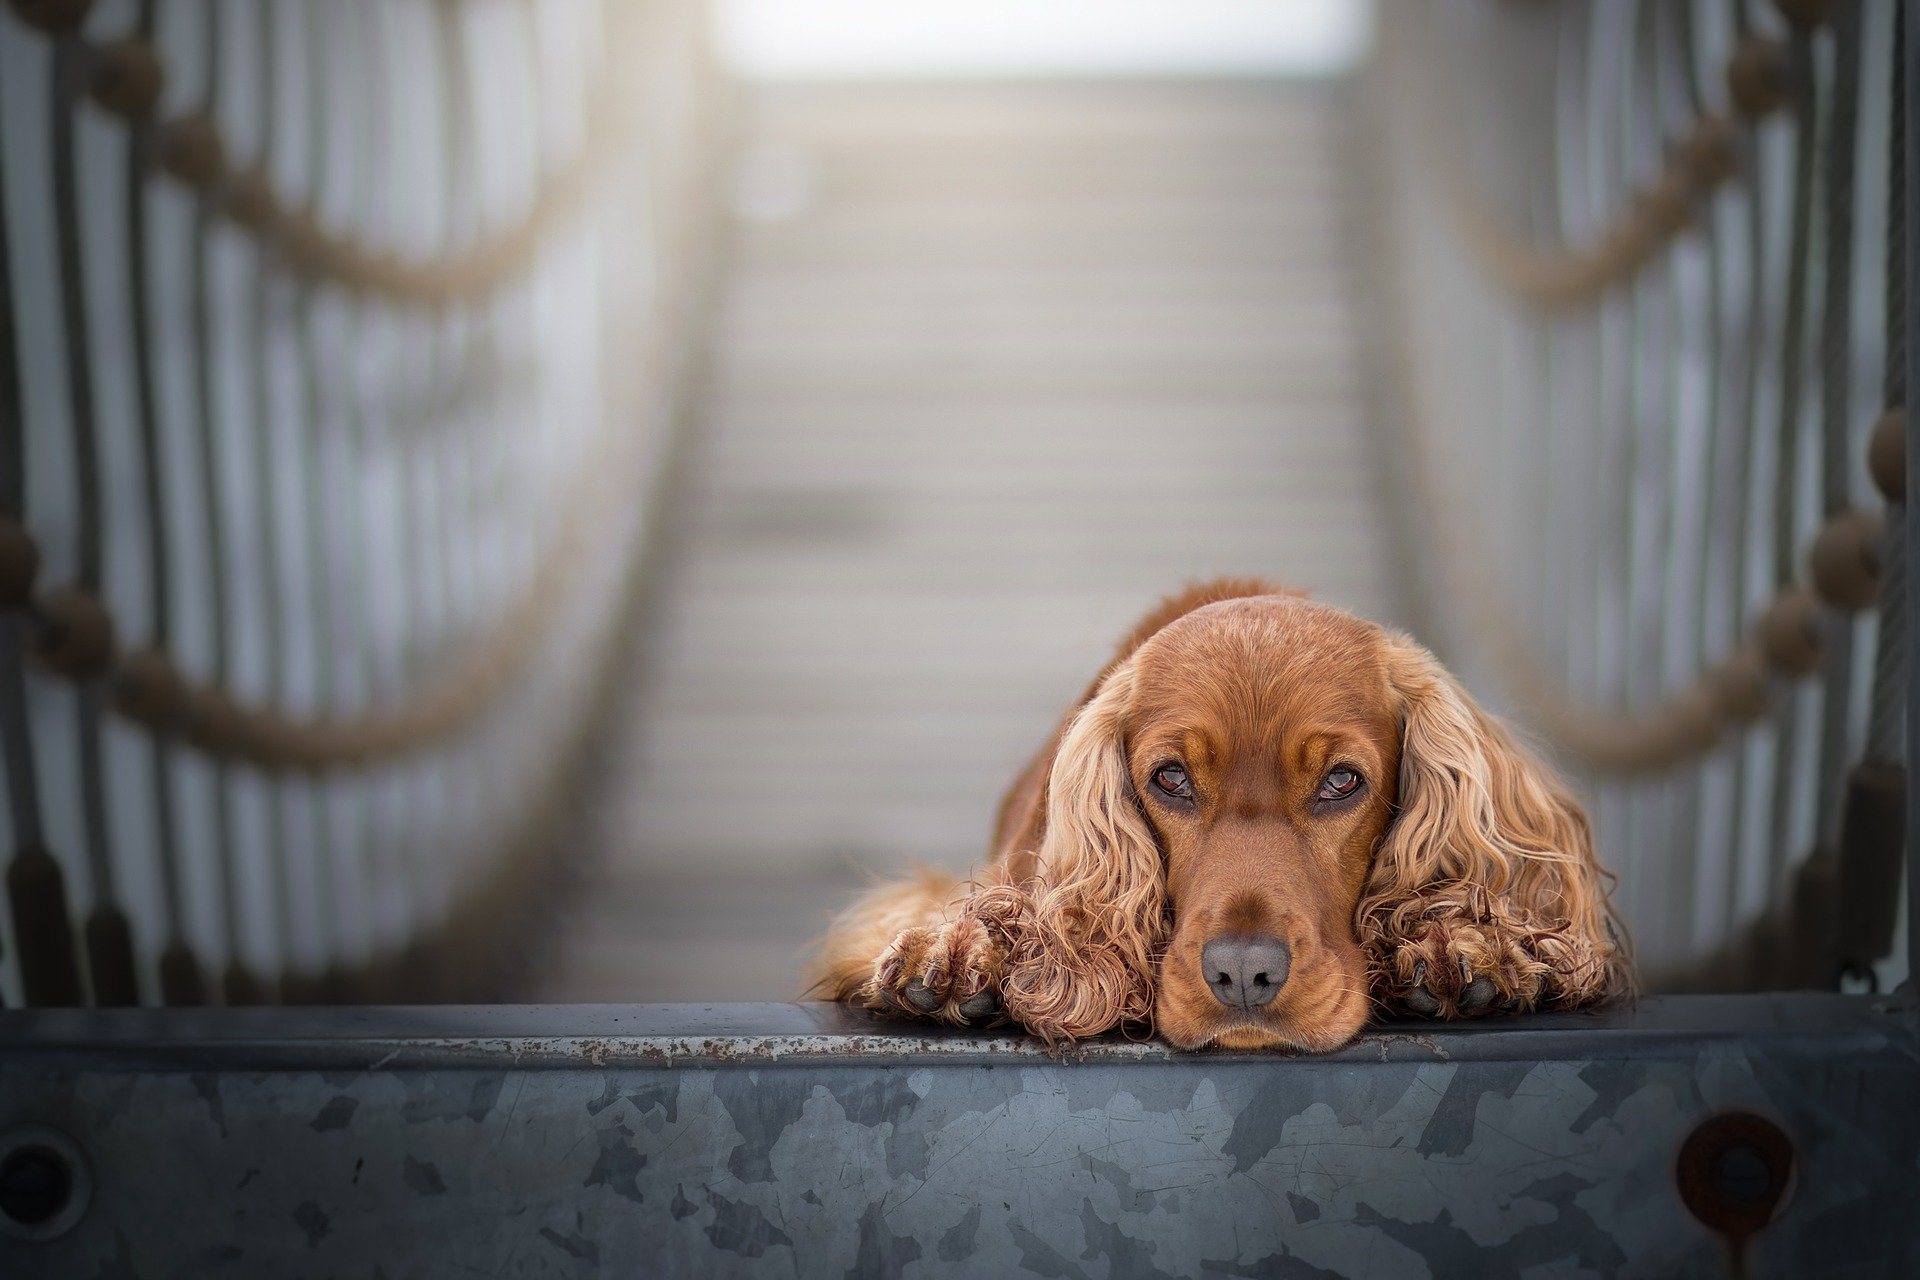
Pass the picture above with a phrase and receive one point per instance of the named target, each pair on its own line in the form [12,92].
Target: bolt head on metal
[45,1185]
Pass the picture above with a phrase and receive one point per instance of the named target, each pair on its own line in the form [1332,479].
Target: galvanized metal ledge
[572,1036]
[771,1140]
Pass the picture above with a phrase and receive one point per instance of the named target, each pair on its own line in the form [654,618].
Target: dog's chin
[1256,1032]
[1253,1035]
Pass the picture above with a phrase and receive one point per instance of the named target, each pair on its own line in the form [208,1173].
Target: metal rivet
[44,1184]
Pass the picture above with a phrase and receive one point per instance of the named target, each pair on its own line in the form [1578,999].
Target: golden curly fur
[1456,877]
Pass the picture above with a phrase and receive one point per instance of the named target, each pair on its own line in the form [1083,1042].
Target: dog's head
[1252,781]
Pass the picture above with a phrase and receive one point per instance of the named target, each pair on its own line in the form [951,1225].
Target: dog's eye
[1173,779]
[1339,784]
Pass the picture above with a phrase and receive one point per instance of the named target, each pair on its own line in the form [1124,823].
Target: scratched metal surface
[802,1140]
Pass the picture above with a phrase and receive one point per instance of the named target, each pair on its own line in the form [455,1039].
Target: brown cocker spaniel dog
[1264,818]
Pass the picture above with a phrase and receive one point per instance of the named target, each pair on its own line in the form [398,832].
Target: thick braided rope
[1703,157]
[125,79]
[75,638]
[1785,640]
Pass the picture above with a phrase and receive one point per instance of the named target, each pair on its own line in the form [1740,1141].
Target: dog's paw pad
[1417,998]
[981,1007]
[1478,996]
[921,996]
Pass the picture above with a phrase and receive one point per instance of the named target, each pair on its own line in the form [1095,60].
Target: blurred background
[544,499]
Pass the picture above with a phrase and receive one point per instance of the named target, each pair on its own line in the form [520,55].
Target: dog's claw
[1419,999]
[983,1005]
[1478,995]
[921,996]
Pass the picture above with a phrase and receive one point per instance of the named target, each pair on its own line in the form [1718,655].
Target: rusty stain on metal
[1735,1173]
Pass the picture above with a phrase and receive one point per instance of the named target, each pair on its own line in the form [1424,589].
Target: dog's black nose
[1245,971]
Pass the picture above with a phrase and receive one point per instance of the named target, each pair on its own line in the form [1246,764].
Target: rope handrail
[1784,642]
[75,634]
[1705,156]
[75,638]
[126,78]
[358,820]
[1842,568]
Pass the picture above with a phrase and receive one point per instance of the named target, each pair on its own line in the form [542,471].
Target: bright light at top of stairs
[827,39]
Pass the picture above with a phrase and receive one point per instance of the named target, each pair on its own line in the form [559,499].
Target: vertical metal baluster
[1670,482]
[108,938]
[465,762]
[1550,513]
[1750,572]
[1567,440]
[457,330]
[1836,384]
[47,962]
[358,856]
[180,982]
[363,832]
[1905,225]
[392,672]
[1655,435]
[430,639]
[1736,321]
[373,824]
[239,984]
[1874,822]
[1698,843]
[301,831]
[1657,430]
[1619,411]
[1536,428]
[1613,818]
[510,307]
[1786,525]
[268,630]
[317,537]
[284,456]
[509,855]
[1698,840]
[1754,888]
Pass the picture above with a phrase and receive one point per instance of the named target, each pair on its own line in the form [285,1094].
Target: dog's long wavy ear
[1083,959]
[1484,826]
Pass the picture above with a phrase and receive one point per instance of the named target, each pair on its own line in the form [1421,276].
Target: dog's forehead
[1267,630]
[1265,657]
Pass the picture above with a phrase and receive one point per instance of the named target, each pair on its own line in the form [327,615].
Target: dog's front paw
[1459,954]
[1458,969]
[949,971]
